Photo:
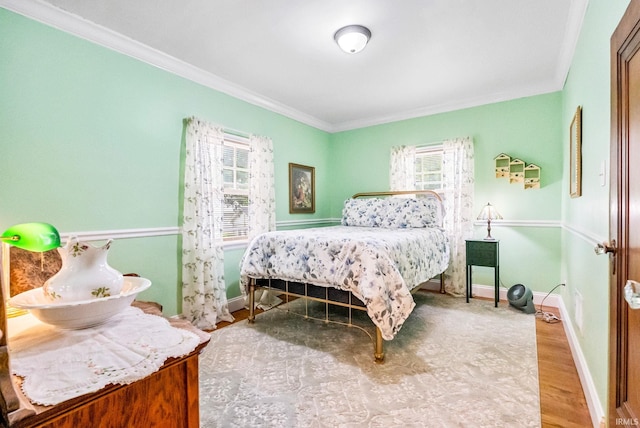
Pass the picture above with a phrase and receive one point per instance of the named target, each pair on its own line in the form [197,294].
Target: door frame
[623,36]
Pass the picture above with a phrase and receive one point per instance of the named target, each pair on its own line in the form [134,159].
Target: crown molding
[92,32]
[577,12]
[52,16]
[538,89]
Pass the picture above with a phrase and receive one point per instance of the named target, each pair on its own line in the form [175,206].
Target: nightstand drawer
[482,253]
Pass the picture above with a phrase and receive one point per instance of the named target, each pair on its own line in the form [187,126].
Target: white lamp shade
[352,38]
[489,212]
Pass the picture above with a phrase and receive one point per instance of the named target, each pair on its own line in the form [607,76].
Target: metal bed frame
[328,295]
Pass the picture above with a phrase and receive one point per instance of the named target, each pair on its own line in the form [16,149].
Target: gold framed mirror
[575,154]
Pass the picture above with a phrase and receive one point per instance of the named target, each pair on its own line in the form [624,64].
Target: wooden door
[624,368]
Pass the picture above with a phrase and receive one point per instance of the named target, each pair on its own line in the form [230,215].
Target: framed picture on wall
[575,154]
[302,191]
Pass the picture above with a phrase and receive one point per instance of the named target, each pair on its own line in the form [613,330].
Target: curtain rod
[236,133]
[429,145]
[226,130]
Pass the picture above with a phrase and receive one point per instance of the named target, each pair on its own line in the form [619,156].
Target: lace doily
[58,365]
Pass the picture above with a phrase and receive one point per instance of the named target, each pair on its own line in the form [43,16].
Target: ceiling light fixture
[352,38]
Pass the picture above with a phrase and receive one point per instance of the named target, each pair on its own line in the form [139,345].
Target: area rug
[453,364]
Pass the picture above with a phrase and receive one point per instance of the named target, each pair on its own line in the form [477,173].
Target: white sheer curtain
[458,185]
[262,195]
[204,295]
[457,195]
[402,171]
[262,200]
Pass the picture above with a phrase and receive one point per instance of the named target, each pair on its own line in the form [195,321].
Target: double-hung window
[428,168]
[235,175]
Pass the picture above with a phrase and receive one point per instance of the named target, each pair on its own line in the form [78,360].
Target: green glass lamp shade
[32,236]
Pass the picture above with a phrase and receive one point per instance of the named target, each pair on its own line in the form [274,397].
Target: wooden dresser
[167,398]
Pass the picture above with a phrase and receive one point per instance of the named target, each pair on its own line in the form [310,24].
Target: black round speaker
[521,297]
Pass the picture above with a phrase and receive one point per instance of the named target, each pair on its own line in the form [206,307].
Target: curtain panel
[262,195]
[402,170]
[262,202]
[204,294]
[458,185]
[457,196]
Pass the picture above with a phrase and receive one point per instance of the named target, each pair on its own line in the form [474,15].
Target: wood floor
[562,402]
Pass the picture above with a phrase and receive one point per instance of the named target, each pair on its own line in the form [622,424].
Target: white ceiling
[424,57]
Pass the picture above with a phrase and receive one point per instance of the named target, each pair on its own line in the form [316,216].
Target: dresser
[167,397]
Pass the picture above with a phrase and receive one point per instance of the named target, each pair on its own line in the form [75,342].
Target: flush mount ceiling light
[352,38]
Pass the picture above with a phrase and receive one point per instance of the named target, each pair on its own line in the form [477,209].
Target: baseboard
[236,303]
[591,395]
[488,292]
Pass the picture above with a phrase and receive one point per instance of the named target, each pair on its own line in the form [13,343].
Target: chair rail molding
[121,233]
[519,223]
[590,238]
[587,236]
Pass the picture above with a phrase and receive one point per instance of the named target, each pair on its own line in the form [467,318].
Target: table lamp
[32,237]
[489,213]
[36,237]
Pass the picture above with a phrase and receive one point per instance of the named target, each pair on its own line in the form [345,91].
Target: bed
[387,245]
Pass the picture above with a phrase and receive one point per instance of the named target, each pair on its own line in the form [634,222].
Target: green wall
[527,128]
[92,140]
[588,85]
[102,136]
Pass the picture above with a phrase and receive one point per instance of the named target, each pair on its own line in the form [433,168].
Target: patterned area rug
[453,364]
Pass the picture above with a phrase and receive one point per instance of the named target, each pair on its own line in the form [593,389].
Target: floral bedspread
[379,266]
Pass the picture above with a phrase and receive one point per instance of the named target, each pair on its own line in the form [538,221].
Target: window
[428,168]
[235,175]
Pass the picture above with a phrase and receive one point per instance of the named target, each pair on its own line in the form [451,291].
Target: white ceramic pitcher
[85,274]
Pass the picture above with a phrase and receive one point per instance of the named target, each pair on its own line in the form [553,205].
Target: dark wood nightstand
[483,252]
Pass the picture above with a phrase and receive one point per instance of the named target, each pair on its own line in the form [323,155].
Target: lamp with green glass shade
[37,237]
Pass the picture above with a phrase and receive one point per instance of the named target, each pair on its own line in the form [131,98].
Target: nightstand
[483,252]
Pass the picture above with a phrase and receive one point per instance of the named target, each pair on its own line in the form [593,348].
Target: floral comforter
[379,266]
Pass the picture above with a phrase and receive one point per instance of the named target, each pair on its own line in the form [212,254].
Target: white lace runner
[58,365]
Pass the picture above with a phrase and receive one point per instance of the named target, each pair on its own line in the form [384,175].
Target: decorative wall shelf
[502,165]
[517,171]
[532,176]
